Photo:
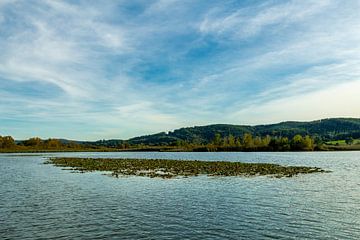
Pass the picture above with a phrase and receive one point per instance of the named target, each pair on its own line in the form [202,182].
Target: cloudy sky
[115,69]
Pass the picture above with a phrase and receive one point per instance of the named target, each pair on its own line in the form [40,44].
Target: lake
[40,201]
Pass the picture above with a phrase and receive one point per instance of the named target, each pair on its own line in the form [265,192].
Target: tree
[318,140]
[126,145]
[308,143]
[300,143]
[238,142]
[284,144]
[266,140]
[258,141]
[279,144]
[179,143]
[7,142]
[217,139]
[349,141]
[35,141]
[52,143]
[73,145]
[196,141]
[248,140]
[297,142]
[231,140]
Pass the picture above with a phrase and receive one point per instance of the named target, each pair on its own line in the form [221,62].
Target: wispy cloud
[252,20]
[117,69]
[336,101]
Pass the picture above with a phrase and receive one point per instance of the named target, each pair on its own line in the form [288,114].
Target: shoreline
[166,150]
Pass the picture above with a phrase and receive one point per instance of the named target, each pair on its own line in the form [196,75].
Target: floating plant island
[165,168]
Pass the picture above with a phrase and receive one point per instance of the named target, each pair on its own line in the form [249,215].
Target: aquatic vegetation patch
[165,168]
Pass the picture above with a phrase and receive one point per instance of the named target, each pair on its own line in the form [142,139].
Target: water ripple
[42,202]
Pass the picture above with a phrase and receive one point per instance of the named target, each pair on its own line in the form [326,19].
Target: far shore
[327,148]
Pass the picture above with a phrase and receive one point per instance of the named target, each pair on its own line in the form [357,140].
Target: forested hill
[326,134]
[325,129]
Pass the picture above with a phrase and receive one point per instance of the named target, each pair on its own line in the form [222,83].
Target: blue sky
[116,69]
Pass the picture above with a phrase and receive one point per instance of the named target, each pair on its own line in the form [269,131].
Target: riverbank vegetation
[321,135]
[247,142]
[172,168]
[35,144]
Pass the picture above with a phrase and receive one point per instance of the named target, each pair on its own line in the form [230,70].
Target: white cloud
[244,23]
[338,101]
[103,60]
[326,52]
[162,5]
[58,51]
[313,79]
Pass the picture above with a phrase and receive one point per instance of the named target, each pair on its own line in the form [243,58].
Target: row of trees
[253,143]
[35,143]
[47,144]
[248,142]
[228,143]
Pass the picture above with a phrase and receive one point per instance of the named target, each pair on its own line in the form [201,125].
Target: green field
[343,142]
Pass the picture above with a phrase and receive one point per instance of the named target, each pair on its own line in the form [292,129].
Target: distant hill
[337,133]
[330,129]
[325,129]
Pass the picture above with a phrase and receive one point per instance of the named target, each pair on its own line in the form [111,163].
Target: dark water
[40,201]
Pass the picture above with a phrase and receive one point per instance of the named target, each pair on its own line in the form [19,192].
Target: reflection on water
[42,201]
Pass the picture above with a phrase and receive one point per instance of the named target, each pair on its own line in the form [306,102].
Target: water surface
[40,201]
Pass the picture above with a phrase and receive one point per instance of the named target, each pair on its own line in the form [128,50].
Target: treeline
[36,144]
[255,143]
[247,142]
[8,144]
[326,129]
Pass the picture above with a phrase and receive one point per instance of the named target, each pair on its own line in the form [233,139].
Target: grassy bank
[173,168]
